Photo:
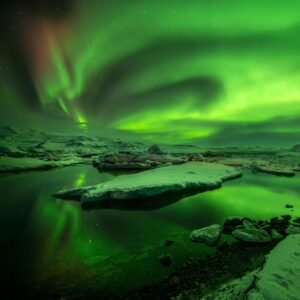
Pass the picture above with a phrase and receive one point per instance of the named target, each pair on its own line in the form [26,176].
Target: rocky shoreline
[247,266]
[198,277]
[241,244]
[235,270]
[29,149]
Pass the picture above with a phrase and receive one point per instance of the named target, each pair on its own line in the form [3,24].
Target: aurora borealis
[213,72]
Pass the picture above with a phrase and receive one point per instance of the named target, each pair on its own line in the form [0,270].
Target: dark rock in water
[231,223]
[166,259]
[274,219]
[267,227]
[297,220]
[292,229]
[252,235]
[248,225]
[207,235]
[286,217]
[234,220]
[279,224]
[289,206]
[154,149]
[169,242]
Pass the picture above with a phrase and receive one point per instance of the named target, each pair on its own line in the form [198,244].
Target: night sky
[213,72]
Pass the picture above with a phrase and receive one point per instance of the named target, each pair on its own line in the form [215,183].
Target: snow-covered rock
[280,277]
[254,235]
[277,280]
[234,290]
[292,229]
[207,235]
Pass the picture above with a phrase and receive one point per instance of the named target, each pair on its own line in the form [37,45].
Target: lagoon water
[55,245]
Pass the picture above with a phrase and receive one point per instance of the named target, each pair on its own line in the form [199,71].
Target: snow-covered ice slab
[192,175]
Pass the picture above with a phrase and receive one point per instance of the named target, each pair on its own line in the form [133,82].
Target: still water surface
[54,242]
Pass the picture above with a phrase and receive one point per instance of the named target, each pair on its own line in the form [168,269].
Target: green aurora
[212,72]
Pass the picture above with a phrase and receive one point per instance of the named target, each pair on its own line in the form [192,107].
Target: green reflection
[114,248]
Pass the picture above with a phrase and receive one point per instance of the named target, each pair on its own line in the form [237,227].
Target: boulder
[289,206]
[154,149]
[207,235]
[231,223]
[248,225]
[276,235]
[293,229]
[279,224]
[252,235]
[296,220]
[286,217]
